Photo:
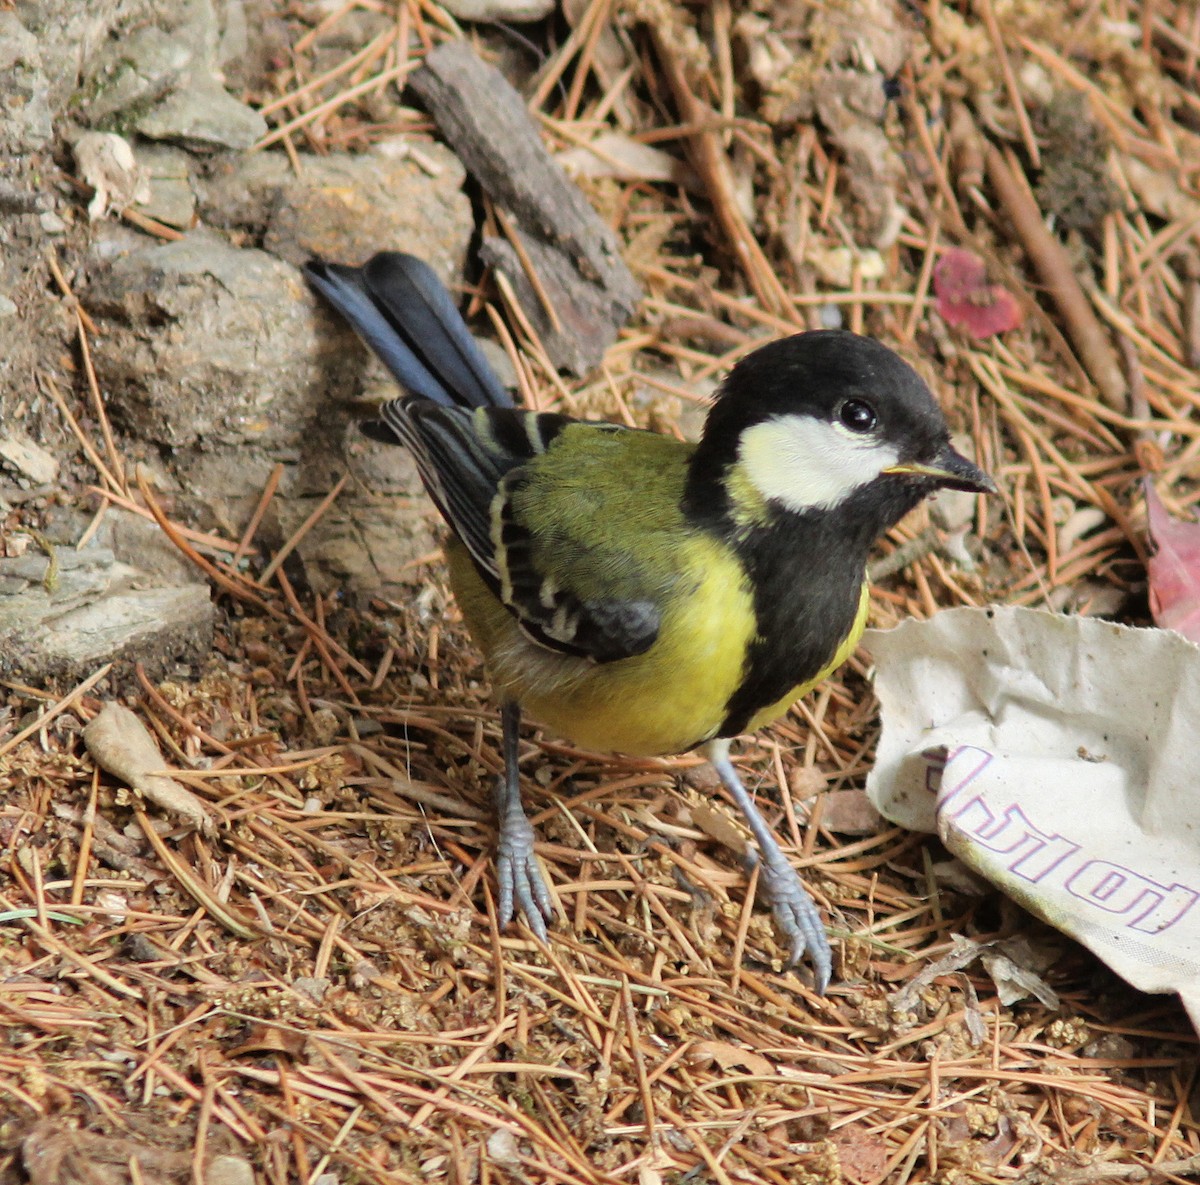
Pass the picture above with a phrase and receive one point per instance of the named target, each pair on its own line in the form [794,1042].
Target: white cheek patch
[810,464]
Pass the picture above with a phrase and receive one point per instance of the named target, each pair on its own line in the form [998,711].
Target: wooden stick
[710,161]
[1050,259]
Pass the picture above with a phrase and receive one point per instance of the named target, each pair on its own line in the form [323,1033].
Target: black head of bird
[828,423]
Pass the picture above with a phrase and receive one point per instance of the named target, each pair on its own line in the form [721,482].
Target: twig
[712,164]
[232,584]
[190,883]
[302,530]
[264,500]
[339,100]
[69,700]
[1053,265]
[47,383]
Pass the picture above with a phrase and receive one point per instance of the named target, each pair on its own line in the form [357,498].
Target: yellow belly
[666,700]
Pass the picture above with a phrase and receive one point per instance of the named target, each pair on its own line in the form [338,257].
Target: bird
[639,594]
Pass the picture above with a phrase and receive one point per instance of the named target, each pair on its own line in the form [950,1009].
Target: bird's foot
[521,883]
[797,916]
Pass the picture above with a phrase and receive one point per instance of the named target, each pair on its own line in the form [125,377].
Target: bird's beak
[951,470]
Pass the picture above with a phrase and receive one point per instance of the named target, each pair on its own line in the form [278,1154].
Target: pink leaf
[964,297]
[1174,569]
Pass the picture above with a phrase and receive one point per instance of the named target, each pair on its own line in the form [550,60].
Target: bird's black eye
[857,415]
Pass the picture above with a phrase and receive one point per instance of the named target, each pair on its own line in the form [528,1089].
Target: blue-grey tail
[399,307]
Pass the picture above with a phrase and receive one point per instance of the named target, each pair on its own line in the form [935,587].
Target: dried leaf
[862,1153]
[1174,569]
[716,824]
[727,1055]
[614,154]
[1015,983]
[849,812]
[964,296]
[121,744]
[106,162]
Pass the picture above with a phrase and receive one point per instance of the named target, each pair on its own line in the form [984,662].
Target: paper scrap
[1056,756]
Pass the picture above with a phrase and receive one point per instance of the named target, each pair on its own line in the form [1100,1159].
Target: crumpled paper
[1059,757]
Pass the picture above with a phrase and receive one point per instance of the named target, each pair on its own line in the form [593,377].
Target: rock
[135,72]
[234,44]
[125,596]
[28,459]
[32,327]
[26,123]
[229,1170]
[69,34]
[403,195]
[399,196]
[514,11]
[163,81]
[203,115]
[364,546]
[237,192]
[205,343]
[168,173]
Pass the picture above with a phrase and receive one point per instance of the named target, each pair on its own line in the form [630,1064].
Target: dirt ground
[292,971]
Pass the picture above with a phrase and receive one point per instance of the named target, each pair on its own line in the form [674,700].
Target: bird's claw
[797,916]
[520,878]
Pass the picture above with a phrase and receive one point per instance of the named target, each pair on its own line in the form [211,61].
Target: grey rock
[137,71]
[234,42]
[206,344]
[154,626]
[203,115]
[514,11]
[28,459]
[231,479]
[364,546]
[140,543]
[110,240]
[171,200]
[399,196]
[70,34]
[126,596]
[163,81]
[239,192]
[26,122]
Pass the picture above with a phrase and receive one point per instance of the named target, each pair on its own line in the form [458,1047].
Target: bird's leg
[794,909]
[521,883]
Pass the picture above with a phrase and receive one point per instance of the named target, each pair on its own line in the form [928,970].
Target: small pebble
[830,316]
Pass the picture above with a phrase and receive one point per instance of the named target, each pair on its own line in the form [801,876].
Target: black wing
[471,447]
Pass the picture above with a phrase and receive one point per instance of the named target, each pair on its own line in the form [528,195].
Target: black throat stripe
[807,579]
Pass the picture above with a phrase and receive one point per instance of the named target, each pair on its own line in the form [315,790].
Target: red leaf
[1174,569]
[964,297]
